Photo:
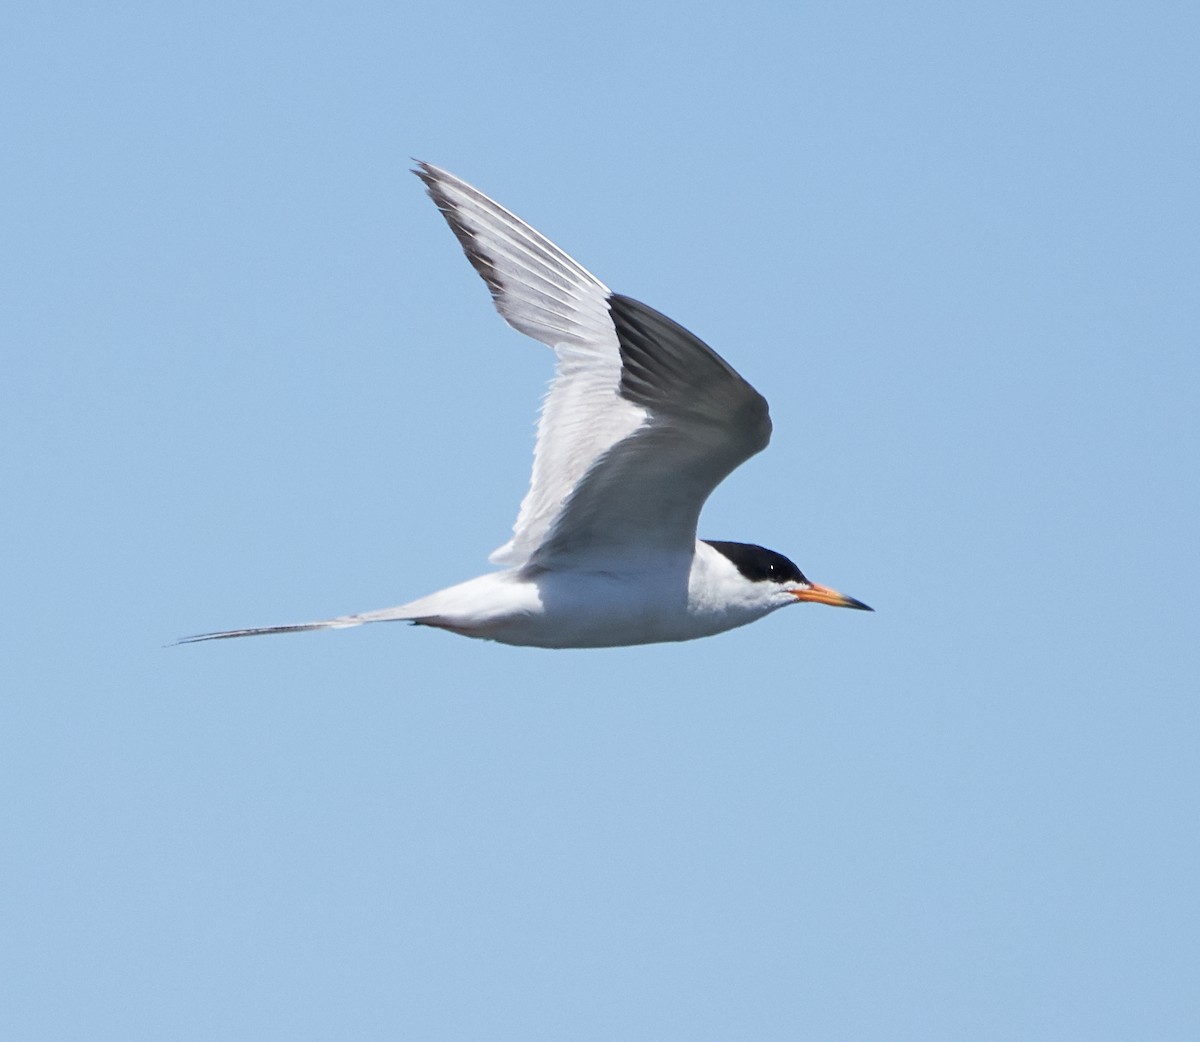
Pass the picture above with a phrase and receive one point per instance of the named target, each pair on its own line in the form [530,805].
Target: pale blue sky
[249,378]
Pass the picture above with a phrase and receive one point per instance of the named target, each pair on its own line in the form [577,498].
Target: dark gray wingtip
[433,178]
[425,171]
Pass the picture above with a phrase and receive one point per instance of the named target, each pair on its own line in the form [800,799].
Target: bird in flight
[642,422]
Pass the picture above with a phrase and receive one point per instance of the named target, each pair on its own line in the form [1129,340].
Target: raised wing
[643,420]
[543,293]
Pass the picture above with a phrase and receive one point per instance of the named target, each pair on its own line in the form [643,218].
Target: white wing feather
[543,293]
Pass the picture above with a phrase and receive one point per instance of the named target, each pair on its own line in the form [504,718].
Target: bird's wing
[702,420]
[643,420]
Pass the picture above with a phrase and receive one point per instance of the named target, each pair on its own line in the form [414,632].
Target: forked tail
[340,623]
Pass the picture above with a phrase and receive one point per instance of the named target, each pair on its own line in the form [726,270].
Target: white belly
[577,610]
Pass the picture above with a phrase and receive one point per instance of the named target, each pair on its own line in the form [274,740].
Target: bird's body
[642,422]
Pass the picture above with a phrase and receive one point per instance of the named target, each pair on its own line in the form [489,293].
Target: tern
[642,421]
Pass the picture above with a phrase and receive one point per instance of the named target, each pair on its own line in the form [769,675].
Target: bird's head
[777,580]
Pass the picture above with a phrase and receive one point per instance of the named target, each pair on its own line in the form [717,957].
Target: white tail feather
[340,623]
